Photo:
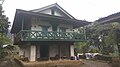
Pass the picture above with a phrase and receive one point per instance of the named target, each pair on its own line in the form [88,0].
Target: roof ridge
[56,5]
[109,16]
[44,7]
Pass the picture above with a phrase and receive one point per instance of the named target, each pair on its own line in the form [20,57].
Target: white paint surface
[24,51]
[33,53]
[48,11]
[72,50]
[68,27]
[37,24]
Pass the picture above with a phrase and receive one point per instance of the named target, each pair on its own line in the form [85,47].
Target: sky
[89,10]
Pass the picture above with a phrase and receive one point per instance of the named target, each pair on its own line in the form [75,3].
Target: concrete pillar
[33,53]
[49,52]
[59,46]
[38,51]
[72,50]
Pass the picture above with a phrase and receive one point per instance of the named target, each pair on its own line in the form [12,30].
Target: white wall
[58,13]
[64,50]
[54,50]
[25,50]
[48,11]
[28,51]
[69,27]
[33,53]
[37,25]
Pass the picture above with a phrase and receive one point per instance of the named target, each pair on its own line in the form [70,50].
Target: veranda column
[59,48]
[33,53]
[71,50]
[49,52]
[38,51]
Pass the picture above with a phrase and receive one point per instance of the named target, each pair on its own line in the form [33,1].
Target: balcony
[30,35]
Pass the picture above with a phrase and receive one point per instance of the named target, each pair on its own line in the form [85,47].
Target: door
[44,52]
[54,28]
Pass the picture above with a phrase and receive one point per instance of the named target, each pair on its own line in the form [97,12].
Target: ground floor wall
[54,50]
[24,51]
[46,51]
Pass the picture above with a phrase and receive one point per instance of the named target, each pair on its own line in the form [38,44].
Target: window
[44,28]
[54,28]
[52,12]
[62,29]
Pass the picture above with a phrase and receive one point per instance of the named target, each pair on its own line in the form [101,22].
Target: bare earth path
[89,63]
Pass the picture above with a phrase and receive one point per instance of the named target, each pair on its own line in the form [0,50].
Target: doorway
[44,52]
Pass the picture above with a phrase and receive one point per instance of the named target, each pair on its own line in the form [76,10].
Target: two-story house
[46,33]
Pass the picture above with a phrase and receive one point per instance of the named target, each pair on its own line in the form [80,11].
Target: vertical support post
[49,52]
[22,27]
[38,51]
[22,23]
[59,46]
[33,53]
[69,51]
[72,50]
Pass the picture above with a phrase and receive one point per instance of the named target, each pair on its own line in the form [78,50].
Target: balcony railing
[30,35]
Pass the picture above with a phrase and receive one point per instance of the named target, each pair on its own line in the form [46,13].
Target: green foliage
[101,38]
[4,24]
[94,50]
[82,47]
[105,37]
[4,39]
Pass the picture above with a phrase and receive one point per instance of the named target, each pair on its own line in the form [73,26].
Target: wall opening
[44,52]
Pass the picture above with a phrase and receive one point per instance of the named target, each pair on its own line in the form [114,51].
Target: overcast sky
[89,10]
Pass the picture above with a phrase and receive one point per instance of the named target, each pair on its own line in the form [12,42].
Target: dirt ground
[10,63]
[59,63]
[67,63]
[89,63]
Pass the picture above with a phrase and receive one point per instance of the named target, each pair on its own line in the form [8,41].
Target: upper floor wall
[52,16]
[39,25]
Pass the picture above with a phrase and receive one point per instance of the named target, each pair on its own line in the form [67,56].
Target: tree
[105,37]
[4,25]
[102,38]
[82,47]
